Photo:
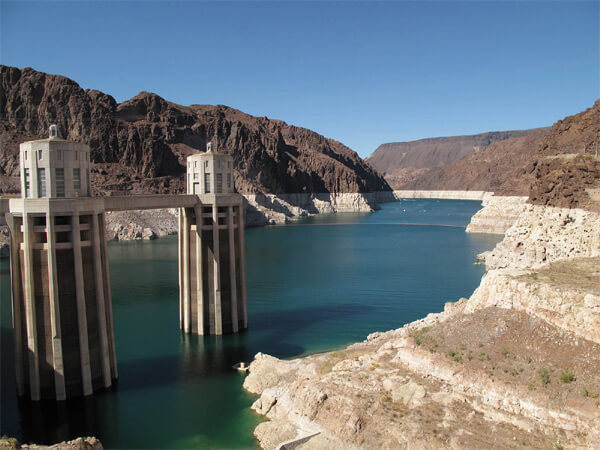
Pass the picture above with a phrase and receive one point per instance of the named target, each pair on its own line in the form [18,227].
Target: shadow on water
[214,355]
[48,422]
[278,326]
[198,358]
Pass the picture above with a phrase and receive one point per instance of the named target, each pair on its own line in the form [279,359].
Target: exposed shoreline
[389,390]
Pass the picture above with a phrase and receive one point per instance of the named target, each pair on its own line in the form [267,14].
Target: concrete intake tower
[212,270]
[62,315]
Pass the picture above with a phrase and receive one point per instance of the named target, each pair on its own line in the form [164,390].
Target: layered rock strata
[516,365]
[497,215]
[263,209]
[441,194]
[542,235]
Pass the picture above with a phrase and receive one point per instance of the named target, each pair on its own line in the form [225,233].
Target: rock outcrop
[516,365]
[88,443]
[541,235]
[136,225]
[4,242]
[263,209]
[564,294]
[497,215]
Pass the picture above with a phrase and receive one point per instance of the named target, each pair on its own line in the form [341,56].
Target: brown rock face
[402,162]
[140,145]
[556,166]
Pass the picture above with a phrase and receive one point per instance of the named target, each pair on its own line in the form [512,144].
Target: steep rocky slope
[401,162]
[140,145]
[549,166]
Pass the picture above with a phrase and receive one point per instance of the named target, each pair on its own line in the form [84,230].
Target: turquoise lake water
[316,285]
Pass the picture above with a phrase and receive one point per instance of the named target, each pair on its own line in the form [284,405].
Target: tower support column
[17,318]
[232,271]
[216,272]
[56,334]
[100,299]
[242,256]
[82,324]
[185,271]
[199,271]
[30,310]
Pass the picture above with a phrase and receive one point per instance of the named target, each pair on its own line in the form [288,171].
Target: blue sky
[363,73]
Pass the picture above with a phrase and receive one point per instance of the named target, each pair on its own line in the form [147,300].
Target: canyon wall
[140,146]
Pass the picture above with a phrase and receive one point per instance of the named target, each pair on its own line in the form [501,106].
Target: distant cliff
[401,162]
[140,145]
[554,167]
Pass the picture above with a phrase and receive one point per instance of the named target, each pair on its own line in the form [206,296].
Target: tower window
[27,184]
[59,155]
[207,183]
[76,178]
[219,181]
[60,182]
[40,155]
[228,181]
[76,155]
[25,155]
[41,182]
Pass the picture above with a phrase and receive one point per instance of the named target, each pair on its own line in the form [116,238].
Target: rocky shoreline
[87,443]
[516,365]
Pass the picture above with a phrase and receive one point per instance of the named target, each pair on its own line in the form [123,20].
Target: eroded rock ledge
[516,365]
[87,443]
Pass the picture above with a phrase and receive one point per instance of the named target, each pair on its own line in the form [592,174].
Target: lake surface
[315,285]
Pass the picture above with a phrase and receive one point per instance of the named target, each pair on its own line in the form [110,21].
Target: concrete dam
[60,282]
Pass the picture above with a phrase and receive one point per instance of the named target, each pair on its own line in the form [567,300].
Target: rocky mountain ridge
[554,167]
[140,145]
[401,162]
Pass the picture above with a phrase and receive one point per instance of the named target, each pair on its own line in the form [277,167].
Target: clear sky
[363,73]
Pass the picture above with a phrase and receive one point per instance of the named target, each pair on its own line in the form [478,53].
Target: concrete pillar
[86,374]
[30,312]
[57,350]
[15,277]
[216,272]
[100,300]
[180,268]
[186,272]
[199,277]
[108,296]
[242,256]
[232,274]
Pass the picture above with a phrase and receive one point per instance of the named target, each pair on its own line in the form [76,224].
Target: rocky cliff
[400,162]
[140,145]
[553,167]
[516,365]
[498,214]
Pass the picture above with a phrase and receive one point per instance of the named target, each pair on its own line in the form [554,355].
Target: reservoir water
[315,285]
